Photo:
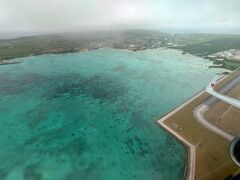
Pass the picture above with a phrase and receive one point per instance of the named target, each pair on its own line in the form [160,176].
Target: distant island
[223,50]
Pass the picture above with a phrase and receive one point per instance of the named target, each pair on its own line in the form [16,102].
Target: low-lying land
[197,44]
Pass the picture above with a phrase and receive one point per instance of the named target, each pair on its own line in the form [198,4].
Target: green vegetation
[197,44]
[74,42]
[22,47]
[212,46]
[189,39]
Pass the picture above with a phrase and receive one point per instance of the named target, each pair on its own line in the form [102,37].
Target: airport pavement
[199,112]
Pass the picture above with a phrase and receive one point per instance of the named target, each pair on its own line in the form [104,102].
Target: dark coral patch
[98,87]
[31,173]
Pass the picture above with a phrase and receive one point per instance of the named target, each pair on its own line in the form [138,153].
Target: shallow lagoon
[91,115]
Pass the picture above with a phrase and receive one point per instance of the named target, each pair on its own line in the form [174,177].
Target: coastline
[14,60]
[189,172]
[8,62]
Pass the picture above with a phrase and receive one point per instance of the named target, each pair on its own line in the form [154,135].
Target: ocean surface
[91,115]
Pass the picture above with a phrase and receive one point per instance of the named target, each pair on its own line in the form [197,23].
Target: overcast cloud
[220,16]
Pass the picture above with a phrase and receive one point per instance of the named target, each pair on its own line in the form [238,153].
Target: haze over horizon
[43,16]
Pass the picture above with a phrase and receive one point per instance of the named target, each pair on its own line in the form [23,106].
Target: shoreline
[88,50]
[189,170]
[9,62]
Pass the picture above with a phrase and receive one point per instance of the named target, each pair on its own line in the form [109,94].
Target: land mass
[224,50]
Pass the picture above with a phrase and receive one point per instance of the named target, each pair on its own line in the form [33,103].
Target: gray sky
[219,16]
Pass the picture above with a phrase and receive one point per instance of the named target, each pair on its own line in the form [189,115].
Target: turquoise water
[91,115]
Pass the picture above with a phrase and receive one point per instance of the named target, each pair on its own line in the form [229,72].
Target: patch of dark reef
[31,172]
[103,88]
[136,145]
